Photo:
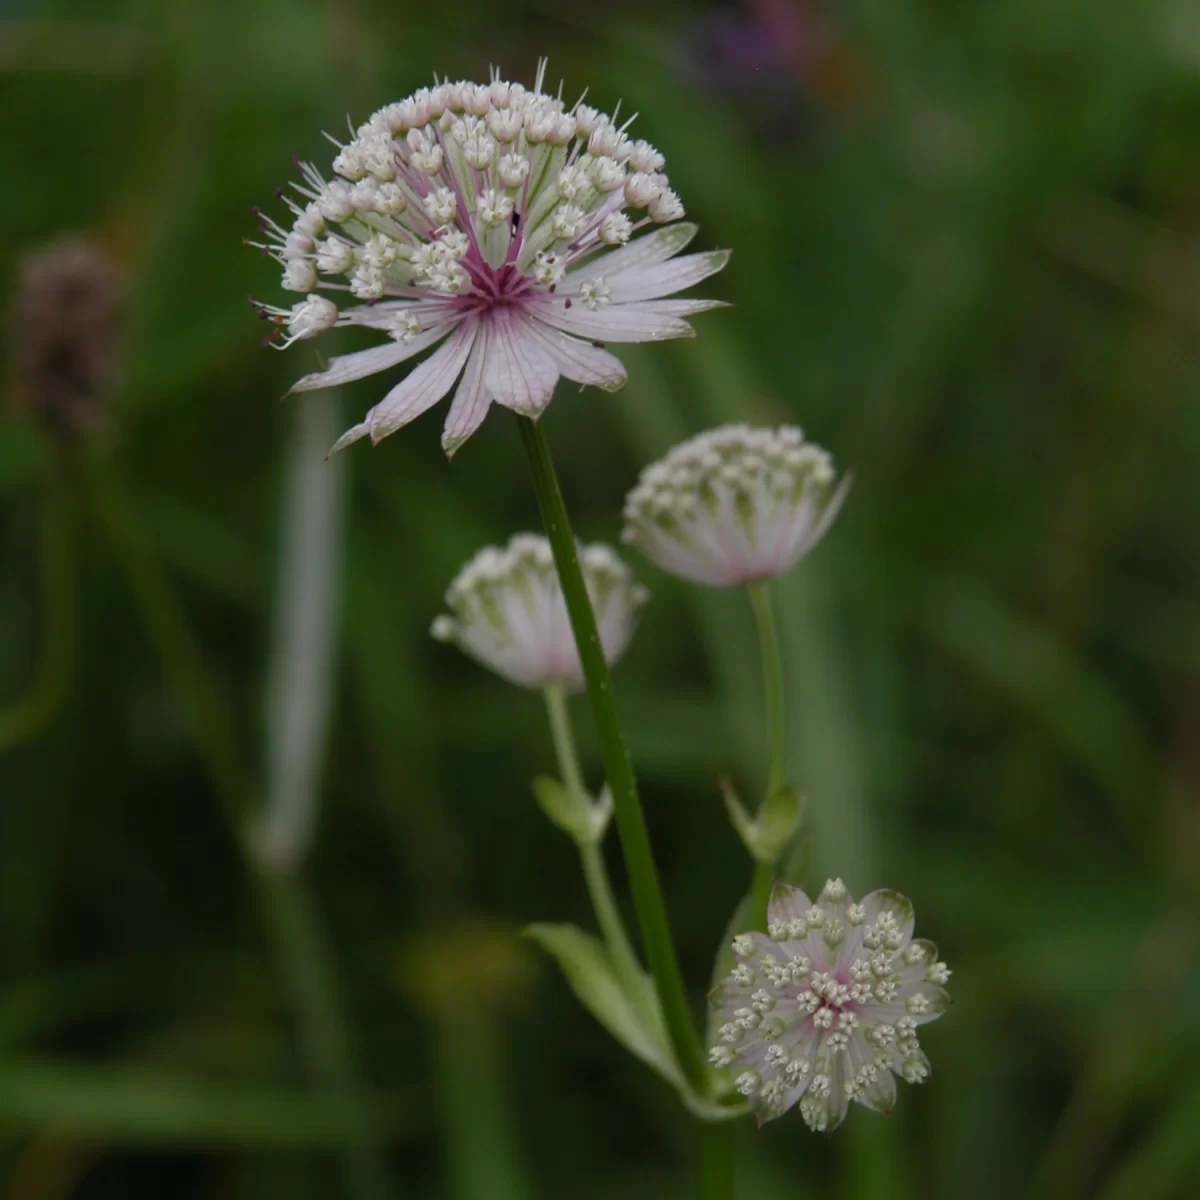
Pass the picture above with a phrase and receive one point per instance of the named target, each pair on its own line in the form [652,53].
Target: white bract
[518,233]
[507,611]
[734,505]
[824,1008]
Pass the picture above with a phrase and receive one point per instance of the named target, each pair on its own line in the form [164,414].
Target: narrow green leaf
[589,970]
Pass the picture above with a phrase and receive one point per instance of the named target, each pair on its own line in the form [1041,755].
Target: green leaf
[589,970]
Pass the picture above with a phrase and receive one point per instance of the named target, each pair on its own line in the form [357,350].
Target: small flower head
[824,1008]
[507,611]
[734,505]
[65,332]
[499,225]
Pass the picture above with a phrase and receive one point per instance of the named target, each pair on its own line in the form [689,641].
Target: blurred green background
[966,261]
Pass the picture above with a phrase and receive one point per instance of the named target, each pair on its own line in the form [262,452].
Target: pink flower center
[493,287]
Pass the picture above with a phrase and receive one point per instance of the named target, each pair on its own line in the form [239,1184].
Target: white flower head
[734,505]
[819,1021]
[507,611]
[514,178]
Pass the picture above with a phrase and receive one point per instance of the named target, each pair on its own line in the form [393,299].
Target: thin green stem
[631,823]
[718,1145]
[563,738]
[760,892]
[608,917]
[768,641]
[289,913]
[31,714]
[591,855]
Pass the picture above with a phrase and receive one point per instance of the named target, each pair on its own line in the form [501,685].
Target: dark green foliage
[965,261]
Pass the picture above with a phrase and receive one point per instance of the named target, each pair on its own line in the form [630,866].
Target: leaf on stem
[589,970]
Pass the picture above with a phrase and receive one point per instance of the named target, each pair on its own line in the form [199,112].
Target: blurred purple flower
[778,58]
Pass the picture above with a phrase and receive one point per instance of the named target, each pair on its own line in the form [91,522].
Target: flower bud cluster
[734,505]
[507,610]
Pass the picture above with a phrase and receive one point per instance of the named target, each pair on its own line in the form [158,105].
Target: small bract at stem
[631,823]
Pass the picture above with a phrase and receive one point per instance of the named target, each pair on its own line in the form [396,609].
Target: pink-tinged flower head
[507,611]
[512,232]
[734,505]
[824,1008]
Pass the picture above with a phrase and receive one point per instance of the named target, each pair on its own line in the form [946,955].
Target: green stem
[768,641]
[595,873]
[290,915]
[718,1144]
[631,823]
[30,715]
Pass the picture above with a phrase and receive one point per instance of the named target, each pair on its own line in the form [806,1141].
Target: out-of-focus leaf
[1076,704]
[22,457]
[1167,1160]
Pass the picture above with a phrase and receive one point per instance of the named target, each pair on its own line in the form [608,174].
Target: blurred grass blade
[133,1106]
[477,1117]
[299,684]
[29,715]
[1036,671]
[1167,1161]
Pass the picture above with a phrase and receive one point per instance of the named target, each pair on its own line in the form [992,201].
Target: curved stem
[31,714]
[718,1144]
[627,807]
[768,641]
